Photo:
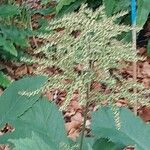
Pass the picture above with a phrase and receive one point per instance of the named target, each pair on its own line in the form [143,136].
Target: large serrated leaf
[33,143]
[12,104]
[45,120]
[133,130]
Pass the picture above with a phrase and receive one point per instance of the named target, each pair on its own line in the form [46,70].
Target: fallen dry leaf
[129,148]
[77,117]
[146,82]
[74,134]
[7,128]
[1,91]
[71,125]
[121,103]
[146,69]
[142,50]
[20,71]
[96,86]
[23,70]
[74,105]
[53,70]
[4,147]
[144,113]
[88,123]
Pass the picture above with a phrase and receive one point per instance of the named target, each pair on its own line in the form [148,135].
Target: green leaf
[12,33]
[12,104]
[122,5]
[105,144]
[87,142]
[133,130]
[44,2]
[148,48]
[143,11]
[63,3]
[8,46]
[109,6]
[4,81]
[2,40]
[69,8]
[34,143]
[46,119]
[94,3]
[21,131]
[8,10]
[44,11]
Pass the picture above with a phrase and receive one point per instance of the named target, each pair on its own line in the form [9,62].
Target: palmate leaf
[45,120]
[33,143]
[133,130]
[4,81]
[12,104]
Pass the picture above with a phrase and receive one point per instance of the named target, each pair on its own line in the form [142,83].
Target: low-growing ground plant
[32,122]
[84,49]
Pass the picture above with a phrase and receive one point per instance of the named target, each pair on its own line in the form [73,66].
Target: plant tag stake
[133,19]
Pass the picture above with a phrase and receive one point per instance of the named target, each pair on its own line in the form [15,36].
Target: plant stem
[90,63]
[134,66]
[85,118]
[33,37]
[135,89]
